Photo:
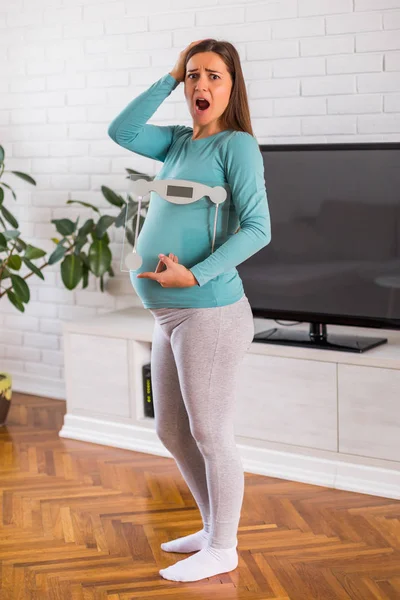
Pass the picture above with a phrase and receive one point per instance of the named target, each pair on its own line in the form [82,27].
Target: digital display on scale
[180,191]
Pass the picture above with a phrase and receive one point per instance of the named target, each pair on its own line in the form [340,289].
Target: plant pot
[5,396]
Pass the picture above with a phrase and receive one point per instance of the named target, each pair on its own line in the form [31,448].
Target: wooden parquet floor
[81,521]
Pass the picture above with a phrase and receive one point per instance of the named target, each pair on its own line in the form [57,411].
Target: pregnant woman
[203,320]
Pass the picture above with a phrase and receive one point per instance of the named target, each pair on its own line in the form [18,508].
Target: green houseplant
[82,250]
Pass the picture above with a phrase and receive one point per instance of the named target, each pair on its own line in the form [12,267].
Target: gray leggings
[194,364]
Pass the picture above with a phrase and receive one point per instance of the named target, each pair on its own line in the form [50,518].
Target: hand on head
[179,69]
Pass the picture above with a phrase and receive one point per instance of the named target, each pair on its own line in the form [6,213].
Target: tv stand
[318,338]
[325,418]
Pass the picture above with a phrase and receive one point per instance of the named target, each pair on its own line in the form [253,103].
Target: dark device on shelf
[147,391]
[334,255]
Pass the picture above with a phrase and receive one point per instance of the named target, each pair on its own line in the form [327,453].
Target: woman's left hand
[174,274]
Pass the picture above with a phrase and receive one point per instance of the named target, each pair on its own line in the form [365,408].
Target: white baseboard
[352,477]
[38,386]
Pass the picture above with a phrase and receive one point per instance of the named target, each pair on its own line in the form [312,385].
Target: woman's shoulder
[241,146]
[242,137]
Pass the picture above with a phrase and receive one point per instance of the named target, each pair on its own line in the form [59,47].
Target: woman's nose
[201,83]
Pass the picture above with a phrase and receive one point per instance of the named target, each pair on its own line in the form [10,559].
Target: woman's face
[207,77]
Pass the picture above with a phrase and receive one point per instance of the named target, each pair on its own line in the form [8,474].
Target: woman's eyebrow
[210,70]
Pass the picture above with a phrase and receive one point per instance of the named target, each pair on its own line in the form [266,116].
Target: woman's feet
[206,563]
[188,543]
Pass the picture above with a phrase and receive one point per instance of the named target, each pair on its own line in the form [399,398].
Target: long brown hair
[237,114]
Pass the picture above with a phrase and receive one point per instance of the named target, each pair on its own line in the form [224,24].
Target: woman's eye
[213,75]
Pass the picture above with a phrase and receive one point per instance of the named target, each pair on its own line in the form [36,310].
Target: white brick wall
[315,70]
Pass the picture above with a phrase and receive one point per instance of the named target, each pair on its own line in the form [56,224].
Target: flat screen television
[334,255]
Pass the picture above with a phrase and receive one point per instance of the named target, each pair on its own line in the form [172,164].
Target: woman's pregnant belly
[185,230]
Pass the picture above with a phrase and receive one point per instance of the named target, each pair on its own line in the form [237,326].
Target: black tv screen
[334,255]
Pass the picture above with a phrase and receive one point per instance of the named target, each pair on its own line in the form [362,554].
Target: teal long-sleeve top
[231,159]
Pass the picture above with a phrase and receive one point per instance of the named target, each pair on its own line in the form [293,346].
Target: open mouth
[202,106]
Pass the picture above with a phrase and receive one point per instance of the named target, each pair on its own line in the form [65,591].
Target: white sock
[206,563]
[188,543]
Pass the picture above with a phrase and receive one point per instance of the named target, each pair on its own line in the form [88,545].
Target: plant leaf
[85,260]
[5,274]
[130,237]
[87,204]
[112,197]
[102,225]
[86,228]
[33,267]
[141,175]
[20,244]
[32,252]
[85,276]
[24,176]
[105,238]
[10,234]
[99,257]
[14,262]
[57,254]
[9,217]
[14,300]
[132,210]
[10,188]
[79,244]
[3,243]
[120,219]
[64,226]
[21,288]
[132,171]
[71,271]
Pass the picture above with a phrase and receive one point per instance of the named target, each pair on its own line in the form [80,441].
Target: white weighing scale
[177,191]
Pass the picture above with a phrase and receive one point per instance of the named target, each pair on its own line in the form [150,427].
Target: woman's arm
[129,128]
[245,175]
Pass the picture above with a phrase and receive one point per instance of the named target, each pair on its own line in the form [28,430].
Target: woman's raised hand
[178,72]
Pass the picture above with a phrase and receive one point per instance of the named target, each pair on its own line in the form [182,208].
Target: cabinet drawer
[292,401]
[98,378]
[369,411]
